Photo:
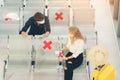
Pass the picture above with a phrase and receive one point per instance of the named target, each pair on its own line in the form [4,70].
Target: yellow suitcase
[105,73]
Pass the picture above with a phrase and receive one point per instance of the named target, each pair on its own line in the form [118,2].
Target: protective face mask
[41,22]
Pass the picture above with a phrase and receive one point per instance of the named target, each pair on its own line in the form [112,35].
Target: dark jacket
[35,29]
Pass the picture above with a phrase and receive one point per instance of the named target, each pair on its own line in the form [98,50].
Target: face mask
[41,22]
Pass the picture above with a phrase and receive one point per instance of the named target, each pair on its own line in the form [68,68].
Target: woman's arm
[64,48]
[70,57]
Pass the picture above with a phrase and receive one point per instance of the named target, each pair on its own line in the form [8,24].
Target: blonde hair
[76,34]
[98,55]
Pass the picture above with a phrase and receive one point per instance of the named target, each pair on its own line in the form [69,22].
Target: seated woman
[74,57]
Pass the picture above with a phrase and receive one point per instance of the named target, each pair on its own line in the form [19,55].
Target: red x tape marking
[59,16]
[47,45]
[8,19]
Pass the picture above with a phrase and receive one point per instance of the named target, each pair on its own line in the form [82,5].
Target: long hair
[76,34]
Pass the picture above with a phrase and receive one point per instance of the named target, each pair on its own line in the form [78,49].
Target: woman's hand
[64,48]
[61,49]
[64,58]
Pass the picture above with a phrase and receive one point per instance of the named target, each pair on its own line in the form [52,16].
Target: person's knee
[69,65]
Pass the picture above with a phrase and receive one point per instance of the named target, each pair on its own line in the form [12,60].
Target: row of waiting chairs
[19,50]
[42,3]
[81,17]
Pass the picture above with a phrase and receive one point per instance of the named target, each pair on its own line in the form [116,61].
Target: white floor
[107,34]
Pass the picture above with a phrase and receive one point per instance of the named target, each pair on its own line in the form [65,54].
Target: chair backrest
[59,20]
[35,3]
[84,16]
[19,43]
[10,20]
[58,16]
[4,41]
[90,34]
[13,3]
[81,4]
[57,3]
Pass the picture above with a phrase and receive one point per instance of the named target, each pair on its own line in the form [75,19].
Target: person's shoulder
[31,18]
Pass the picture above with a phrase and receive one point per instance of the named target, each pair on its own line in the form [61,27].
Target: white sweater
[76,48]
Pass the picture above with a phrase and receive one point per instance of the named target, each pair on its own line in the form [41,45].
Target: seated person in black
[37,25]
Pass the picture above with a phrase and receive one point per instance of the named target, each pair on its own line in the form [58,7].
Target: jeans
[76,62]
